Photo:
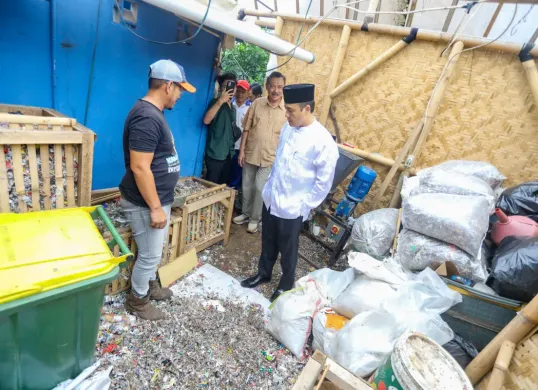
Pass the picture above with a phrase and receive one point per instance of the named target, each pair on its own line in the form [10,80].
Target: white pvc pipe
[219,21]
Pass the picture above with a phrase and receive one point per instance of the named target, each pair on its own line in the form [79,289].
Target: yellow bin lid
[40,251]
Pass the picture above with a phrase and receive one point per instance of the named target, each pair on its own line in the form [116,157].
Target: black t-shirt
[146,130]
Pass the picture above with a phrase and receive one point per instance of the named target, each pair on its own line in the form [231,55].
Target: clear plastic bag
[457,219]
[481,169]
[364,294]
[374,232]
[325,326]
[439,180]
[330,283]
[417,252]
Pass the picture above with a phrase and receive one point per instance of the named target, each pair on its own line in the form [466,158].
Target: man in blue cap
[147,189]
[300,180]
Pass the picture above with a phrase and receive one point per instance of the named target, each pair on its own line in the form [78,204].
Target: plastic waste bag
[325,326]
[462,351]
[373,232]
[481,169]
[429,324]
[365,342]
[417,252]
[456,219]
[520,200]
[364,294]
[408,186]
[329,283]
[388,270]
[291,317]
[439,180]
[88,379]
[514,272]
[426,293]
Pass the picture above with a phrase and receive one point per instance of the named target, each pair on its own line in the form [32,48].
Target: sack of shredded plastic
[365,342]
[481,169]
[457,219]
[329,283]
[290,321]
[325,326]
[417,252]
[439,180]
[408,186]
[374,232]
[364,294]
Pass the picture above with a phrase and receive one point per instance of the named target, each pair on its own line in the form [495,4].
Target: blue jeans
[149,242]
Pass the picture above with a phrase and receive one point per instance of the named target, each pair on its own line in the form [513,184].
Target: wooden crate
[31,135]
[207,216]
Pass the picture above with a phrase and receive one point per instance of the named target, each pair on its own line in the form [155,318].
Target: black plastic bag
[462,351]
[520,200]
[514,271]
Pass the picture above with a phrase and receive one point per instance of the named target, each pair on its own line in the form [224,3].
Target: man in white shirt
[241,103]
[301,178]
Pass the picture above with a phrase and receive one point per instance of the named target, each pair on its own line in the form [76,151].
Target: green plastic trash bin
[50,337]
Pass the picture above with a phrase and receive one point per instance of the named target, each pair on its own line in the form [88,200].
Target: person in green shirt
[219,119]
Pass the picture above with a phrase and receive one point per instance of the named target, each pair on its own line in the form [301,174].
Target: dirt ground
[240,257]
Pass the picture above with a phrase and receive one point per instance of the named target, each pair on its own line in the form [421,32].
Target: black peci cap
[299,93]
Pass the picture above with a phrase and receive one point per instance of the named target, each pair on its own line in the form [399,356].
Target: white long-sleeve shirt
[303,171]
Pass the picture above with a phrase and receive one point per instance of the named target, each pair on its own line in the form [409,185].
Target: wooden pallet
[38,134]
[333,376]
[123,281]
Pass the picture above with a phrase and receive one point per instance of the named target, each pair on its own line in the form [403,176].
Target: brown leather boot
[158,293]
[141,308]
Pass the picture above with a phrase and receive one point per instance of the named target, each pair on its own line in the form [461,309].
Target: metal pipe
[244,31]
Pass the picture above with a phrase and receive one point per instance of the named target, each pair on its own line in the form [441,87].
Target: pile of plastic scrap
[212,338]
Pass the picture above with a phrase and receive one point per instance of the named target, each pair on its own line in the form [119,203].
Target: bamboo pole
[496,380]
[396,200]
[399,160]
[374,157]
[515,331]
[266,24]
[335,73]
[396,48]
[532,77]
[278,26]
[424,35]
[437,97]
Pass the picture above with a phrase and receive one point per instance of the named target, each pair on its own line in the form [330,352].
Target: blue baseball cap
[170,71]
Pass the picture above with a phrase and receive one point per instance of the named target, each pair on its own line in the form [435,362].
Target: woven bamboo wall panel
[488,112]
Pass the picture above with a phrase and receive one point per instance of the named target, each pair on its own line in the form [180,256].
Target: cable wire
[159,42]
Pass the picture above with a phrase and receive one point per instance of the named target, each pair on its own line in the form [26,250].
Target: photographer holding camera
[222,131]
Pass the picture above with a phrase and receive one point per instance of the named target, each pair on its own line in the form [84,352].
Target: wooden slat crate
[31,136]
[207,216]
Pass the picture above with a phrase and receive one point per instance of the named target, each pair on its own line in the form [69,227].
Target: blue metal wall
[100,71]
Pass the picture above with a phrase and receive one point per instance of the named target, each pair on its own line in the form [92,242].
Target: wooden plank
[36,120]
[412,7]
[85,163]
[183,231]
[341,377]
[23,137]
[70,168]
[207,201]
[171,272]
[174,243]
[493,18]
[309,374]
[45,173]
[18,176]
[26,110]
[200,246]
[449,16]
[335,73]
[4,187]
[59,176]
[228,222]
[34,177]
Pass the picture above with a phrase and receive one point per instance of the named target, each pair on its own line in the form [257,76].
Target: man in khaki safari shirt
[261,132]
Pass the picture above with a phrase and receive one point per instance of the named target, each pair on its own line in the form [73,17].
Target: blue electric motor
[356,191]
